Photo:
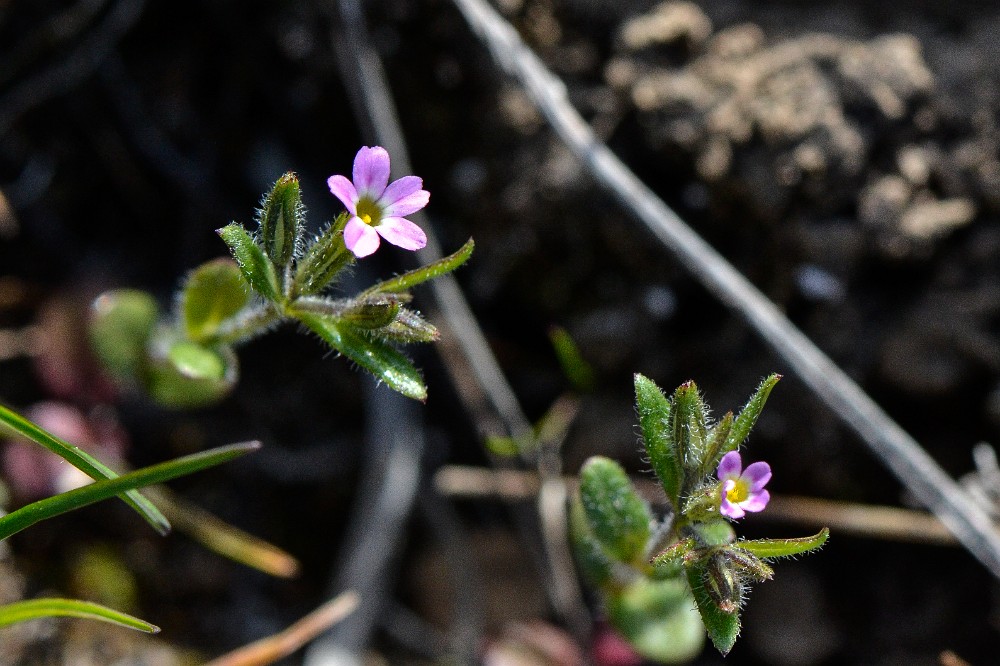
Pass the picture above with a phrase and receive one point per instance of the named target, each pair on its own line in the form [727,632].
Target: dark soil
[845,157]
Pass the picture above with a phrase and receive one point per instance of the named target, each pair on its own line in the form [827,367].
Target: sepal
[280,219]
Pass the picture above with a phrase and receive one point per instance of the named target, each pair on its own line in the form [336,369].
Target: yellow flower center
[739,492]
[369,212]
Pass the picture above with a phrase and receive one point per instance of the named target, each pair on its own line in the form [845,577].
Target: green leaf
[257,269]
[187,374]
[574,366]
[723,627]
[590,557]
[375,356]
[747,417]
[281,221]
[618,517]
[770,549]
[658,619]
[121,323]
[213,293]
[33,609]
[430,271]
[654,419]
[50,507]
[323,260]
[84,462]
[688,417]
[716,440]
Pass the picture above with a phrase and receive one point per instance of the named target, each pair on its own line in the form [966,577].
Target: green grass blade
[84,462]
[425,273]
[33,609]
[59,504]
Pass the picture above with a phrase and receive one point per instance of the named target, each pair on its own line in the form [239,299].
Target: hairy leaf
[618,517]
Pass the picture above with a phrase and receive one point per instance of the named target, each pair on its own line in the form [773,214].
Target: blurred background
[843,156]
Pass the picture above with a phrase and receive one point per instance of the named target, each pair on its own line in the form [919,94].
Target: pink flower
[377,207]
[742,489]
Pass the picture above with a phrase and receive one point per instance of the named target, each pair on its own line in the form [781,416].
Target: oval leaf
[618,517]
[654,419]
[213,293]
[658,619]
[191,375]
[121,323]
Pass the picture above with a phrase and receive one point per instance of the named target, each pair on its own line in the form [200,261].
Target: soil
[845,157]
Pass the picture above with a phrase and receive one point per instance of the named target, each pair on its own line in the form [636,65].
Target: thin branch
[271,649]
[865,520]
[897,449]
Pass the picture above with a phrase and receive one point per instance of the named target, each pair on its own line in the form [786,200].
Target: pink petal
[408,204]
[757,501]
[371,171]
[360,238]
[344,190]
[402,233]
[727,508]
[730,466]
[757,475]
[400,188]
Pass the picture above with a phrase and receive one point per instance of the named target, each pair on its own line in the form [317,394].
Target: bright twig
[271,649]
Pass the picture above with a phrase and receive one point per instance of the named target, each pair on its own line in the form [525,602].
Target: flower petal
[757,475]
[727,508]
[757,501]
[408,204]
[371,171]
[400,188]
[401,232]
[730,466]
[344,190]
[360,238]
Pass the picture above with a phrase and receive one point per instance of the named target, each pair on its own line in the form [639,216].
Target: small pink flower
[377,207]
[742,489]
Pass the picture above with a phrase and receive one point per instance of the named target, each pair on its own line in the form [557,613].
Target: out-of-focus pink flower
[611,649]
[742,489]
[377,207]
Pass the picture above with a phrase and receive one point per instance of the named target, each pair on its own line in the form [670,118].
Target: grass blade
[84,462]
[59,504]
[33,609]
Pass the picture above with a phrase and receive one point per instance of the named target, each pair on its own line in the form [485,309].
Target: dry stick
[897,449]
[463,346]
[271,649]
[865,520]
